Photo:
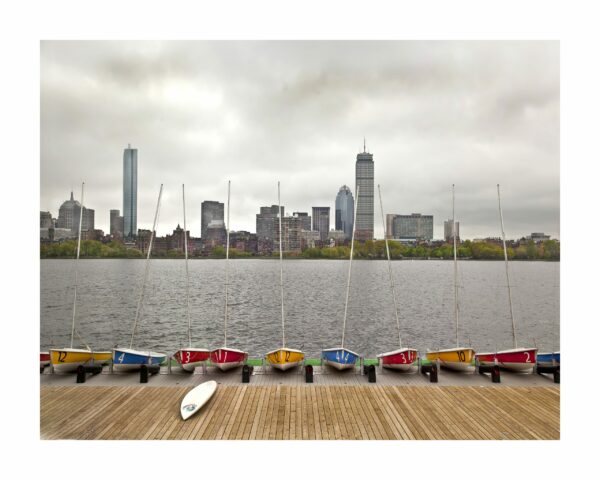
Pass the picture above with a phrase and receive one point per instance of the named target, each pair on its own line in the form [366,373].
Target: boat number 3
[121,357]
[187,357]
[527,353]
[403,358]
[62,356]
[461,356]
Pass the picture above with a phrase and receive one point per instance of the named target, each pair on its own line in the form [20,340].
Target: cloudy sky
[201,113]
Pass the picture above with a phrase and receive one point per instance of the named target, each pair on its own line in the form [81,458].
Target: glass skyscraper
[344,211]
[130,192]
[365,174]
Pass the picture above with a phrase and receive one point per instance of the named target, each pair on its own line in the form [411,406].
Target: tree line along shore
[369,250]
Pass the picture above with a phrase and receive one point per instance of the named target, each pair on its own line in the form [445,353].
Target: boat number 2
[527,353]
[62,356]
[121,357]
[461,356]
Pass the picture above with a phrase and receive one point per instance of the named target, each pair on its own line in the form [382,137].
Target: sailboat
[283,358]
[189,358]
[129,359]
[66,360]
[402,358]
[515,359]
[341,358]
[458,358]
[226,358]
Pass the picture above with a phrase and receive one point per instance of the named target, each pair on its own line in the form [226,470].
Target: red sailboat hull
[227,358]
[44,359]
[190,358]
[402,359]
[518,359]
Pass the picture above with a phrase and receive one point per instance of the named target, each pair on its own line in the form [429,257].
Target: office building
[116,224]
[130,192]
[344,211]
[365,175]
[305,220]
[46,220]
[413,227]
[320,221]
[291,228]
[448,231]
[68,216]
[211,211]
[265,223]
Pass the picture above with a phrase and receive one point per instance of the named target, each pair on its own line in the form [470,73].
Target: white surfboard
[197,397]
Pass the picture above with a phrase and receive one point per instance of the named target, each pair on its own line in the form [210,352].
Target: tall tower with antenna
[365,179]
[130,193]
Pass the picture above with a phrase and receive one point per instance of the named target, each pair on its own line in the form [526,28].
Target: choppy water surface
[314,295]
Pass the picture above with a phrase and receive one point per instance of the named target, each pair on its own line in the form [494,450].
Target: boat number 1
[287,356]
[62,356]
[461,356]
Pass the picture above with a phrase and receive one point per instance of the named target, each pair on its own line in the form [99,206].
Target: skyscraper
[344,211]
[365,174]
[130,192]
[413,227]
[116,223]
[211,211]
[320,219]
[68,216]
[448,231]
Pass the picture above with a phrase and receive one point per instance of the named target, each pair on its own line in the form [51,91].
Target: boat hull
[44,359]
[285,358]
[517,360]
[403,359]
[227,358]
[66,360]
[548,359]
[339,358]
[190,358]
[458,359]
[126,360]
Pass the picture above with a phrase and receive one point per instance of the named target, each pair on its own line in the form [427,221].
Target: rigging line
[227,260]
[387,249]
[506,266]
[187,273]
[350,266]
[281,266]
[76,262]
[455,267]
[146,268]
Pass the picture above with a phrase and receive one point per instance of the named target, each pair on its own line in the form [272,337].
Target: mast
[506,267]
[146,269]
[227,260]
[455,268]
[350,267]
[187,273]
[76,262]
[281,267]
[387,249]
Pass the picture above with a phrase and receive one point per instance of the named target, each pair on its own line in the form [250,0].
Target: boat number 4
[62,356]
[121,357]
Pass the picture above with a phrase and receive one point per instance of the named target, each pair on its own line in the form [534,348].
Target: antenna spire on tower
[364,145]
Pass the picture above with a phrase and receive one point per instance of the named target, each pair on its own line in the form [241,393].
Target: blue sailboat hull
[125,359]
[548,359]
[340,358]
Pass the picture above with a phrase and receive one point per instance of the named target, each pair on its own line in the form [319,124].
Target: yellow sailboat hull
[285,358]
[454,358]
[65,360]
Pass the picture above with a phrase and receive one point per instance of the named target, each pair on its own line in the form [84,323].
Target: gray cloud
[434,113]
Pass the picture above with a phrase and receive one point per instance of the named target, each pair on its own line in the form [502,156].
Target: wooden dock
[303,412]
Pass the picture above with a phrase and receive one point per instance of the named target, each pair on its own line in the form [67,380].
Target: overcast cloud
[200,113]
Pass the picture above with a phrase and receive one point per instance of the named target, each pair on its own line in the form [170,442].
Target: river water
[314,296]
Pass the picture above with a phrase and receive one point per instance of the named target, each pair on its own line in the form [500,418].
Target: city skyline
[433,114]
